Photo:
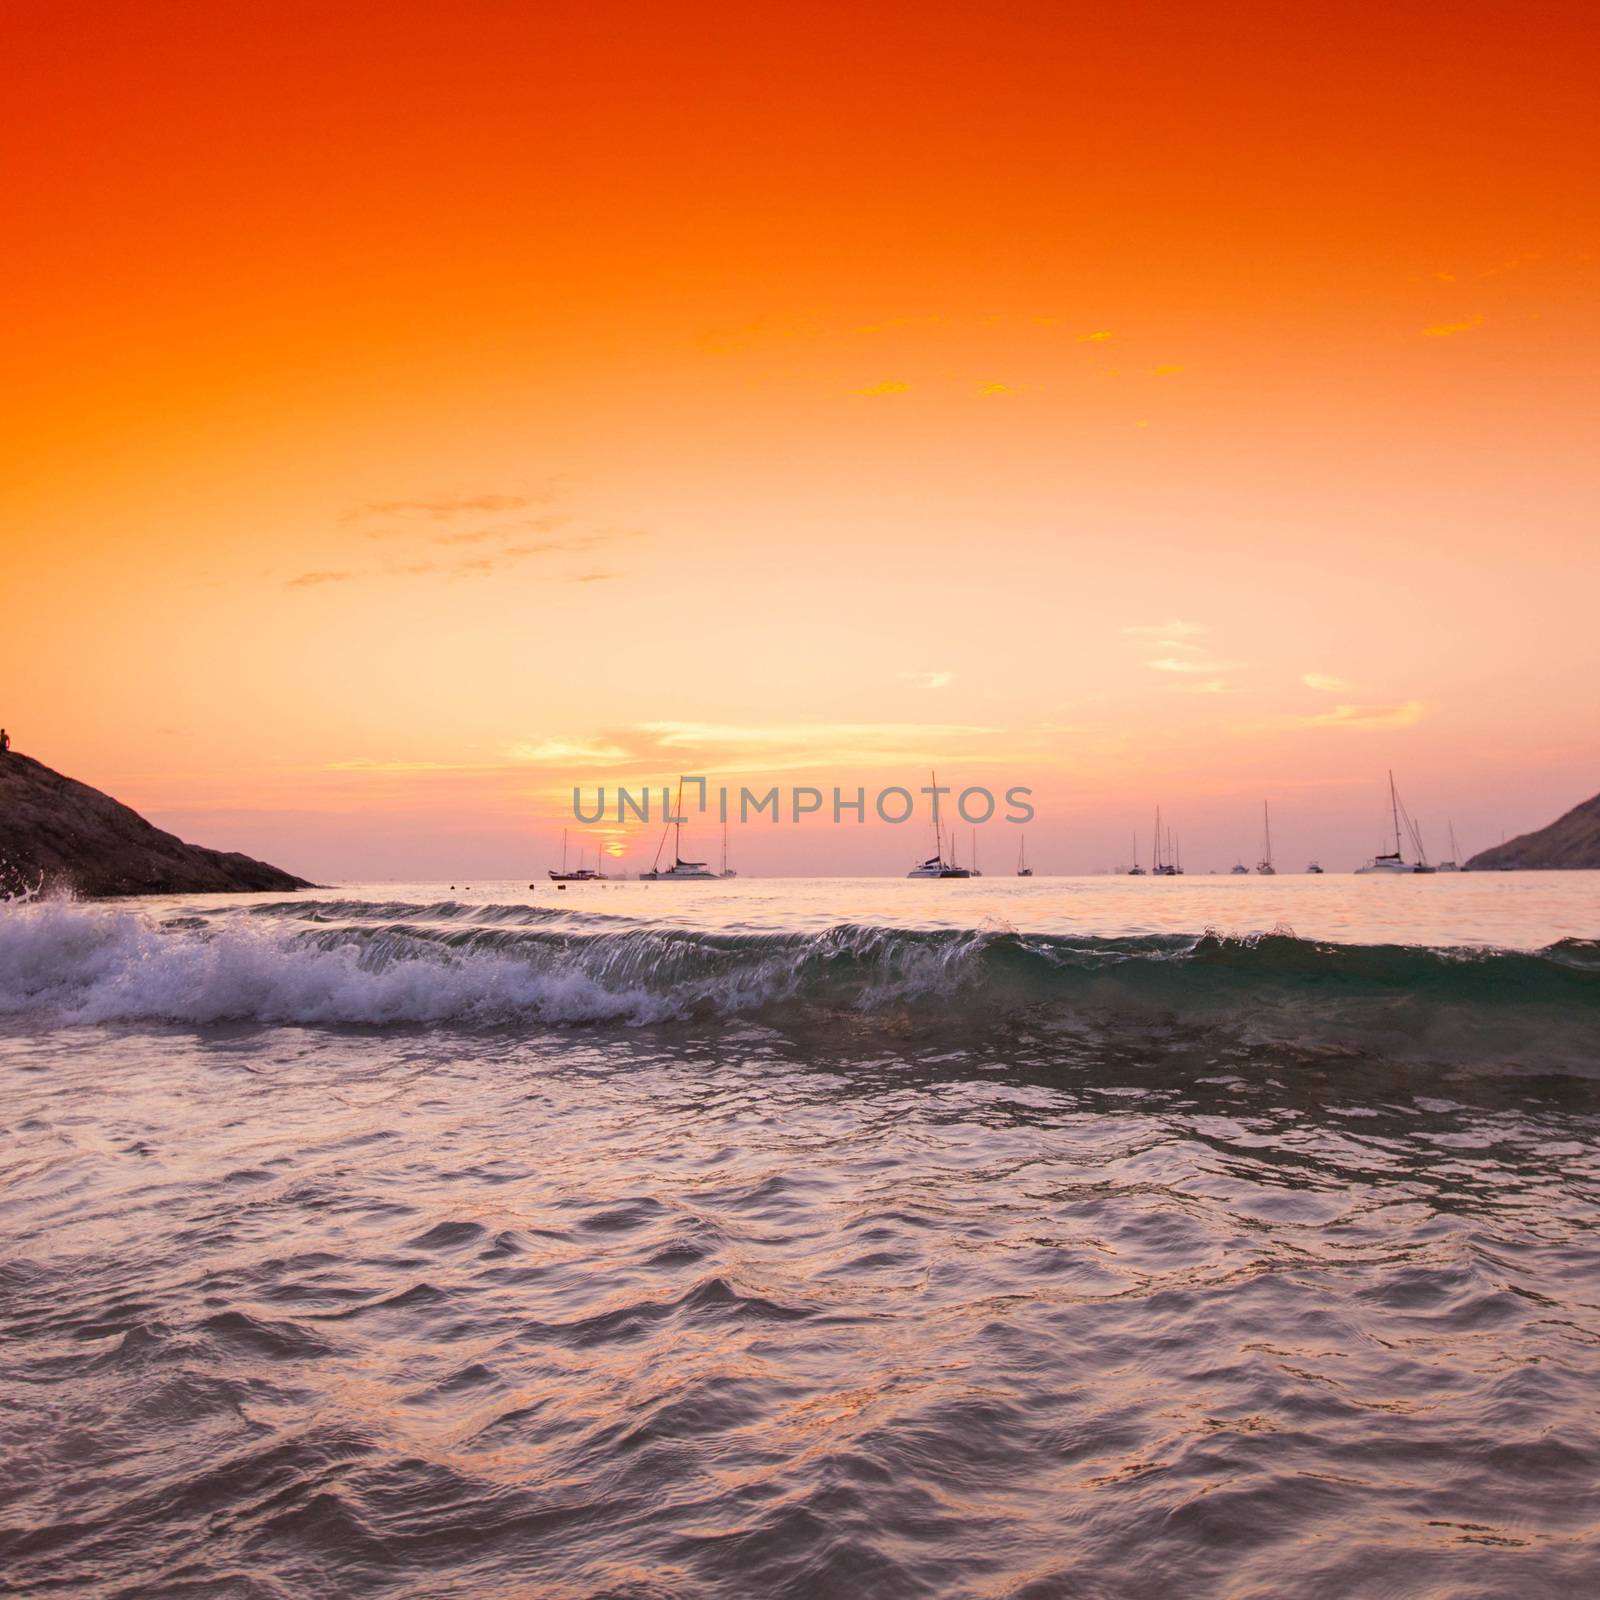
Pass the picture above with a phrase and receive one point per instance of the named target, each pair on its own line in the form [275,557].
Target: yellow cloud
[1446,330]
[890,386]
[1324,681]
[1099,336]
[1167,370]
[995,388]
[1350,717]
[555,751]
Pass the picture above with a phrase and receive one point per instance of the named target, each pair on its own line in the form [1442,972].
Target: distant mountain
[1569,841]
[60,833]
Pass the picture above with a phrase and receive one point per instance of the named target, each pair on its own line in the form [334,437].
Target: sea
[1005,1238]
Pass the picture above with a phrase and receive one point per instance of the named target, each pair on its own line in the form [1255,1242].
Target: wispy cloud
[1192,664]
[1099,336]
[1448,330]
[440,508]
[556,751]
[1165,631]
[1350,718]
[888,386]
[930,680]
[995,388]
[310,580]
[363,765]
[1325,682]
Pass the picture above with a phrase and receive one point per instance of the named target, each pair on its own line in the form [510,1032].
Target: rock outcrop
[56,833]
[1569,841]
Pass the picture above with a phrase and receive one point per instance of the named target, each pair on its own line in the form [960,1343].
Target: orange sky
[409,411]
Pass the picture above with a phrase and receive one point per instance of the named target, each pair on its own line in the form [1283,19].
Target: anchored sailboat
[936,866]
[1393,861]
[679,868]
[1135,871]
[727,871]
[1264,865]
[1454,863]
[581,874]
[1023,869]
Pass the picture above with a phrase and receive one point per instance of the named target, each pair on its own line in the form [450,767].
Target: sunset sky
[410,411]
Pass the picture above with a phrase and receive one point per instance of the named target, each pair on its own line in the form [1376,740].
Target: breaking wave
[329,963]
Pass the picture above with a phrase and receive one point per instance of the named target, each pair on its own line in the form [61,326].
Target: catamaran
[679,868]
[1264,866]
[1393,862]
[936,866]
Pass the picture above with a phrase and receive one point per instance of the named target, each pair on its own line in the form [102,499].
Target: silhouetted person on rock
[5,741]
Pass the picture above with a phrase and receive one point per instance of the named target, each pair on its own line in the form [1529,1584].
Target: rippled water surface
[803,1240]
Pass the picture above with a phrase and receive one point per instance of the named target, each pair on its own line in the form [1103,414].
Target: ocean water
[1026,1238]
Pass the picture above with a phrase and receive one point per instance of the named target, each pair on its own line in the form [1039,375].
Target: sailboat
[1023,869]
[1314,867]
[975,872]
[1135,871]
[1393,862]
[581,874]
[1162,864]
[679,868]
[727,871]
[1453,864]
[936,866]
[1264,866]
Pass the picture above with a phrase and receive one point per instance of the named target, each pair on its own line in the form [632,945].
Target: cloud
[1209,686]
[930,680]
[1448,330]
[889,386]
[1164,631]
[552,751]
[995,388]
[441,507]
[1167,370]
[1099,336]
[1352,718]
[310,580]
[1325,682]
[363,765]
[1191,664]
[595,577]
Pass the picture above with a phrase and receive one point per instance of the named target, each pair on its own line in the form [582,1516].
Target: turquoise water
[999,1238]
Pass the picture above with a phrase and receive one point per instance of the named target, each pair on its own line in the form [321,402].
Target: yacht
[680,868]
[1392,863]
[1239,869]
[1264,866]
[1314,867]
[936,866]
[727,871]
[1023,869]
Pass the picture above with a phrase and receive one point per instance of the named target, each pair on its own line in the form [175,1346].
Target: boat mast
[938,835]
[1266,829]
[1394,808]
[677,812]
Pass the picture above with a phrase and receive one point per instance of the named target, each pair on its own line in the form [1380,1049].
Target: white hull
[677,875]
